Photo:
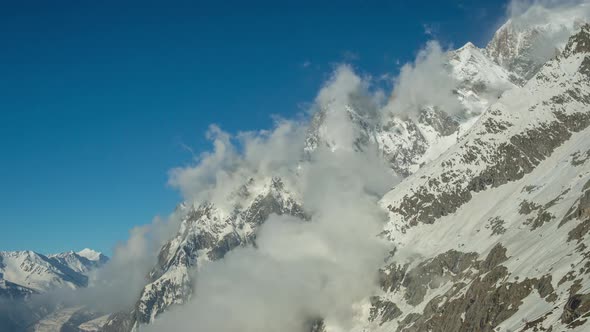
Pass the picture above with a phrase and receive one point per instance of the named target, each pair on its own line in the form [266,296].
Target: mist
[427,81]
[298,271]
[558,20]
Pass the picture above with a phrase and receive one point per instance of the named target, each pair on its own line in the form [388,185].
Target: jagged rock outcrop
[577,306]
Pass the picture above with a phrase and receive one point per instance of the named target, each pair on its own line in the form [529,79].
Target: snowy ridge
[81,262]
[508,251]
[91,255]
[38,272]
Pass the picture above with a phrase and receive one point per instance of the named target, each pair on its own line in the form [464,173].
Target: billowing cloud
[425,82]
[299,270]
[235,159]
[556,20]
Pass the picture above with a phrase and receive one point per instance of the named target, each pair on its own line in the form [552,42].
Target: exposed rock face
[440,121]
[384,309]
[317,326]
[497,226]
[475,295]
[579,43]
[10,290]
[577,306]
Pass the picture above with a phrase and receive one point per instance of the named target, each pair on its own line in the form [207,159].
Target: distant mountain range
[26,272]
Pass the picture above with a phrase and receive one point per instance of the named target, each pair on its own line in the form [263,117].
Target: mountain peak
[579,42]
[468,45]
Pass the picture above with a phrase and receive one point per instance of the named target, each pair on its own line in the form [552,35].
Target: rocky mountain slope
[493,235]
[489,224]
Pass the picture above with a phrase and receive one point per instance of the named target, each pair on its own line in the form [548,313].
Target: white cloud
[218,174]
[557,20]
[425,82]
[299,270]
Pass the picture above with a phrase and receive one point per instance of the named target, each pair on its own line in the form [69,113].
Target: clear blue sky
[97,98]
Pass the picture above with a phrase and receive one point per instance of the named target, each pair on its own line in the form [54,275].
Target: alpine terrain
[458,210]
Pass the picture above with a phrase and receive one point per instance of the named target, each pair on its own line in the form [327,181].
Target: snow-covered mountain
[492,236]
[26,272]
[490,223]
[82,261]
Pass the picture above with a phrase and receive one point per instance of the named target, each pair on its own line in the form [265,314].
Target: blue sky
[99,99]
